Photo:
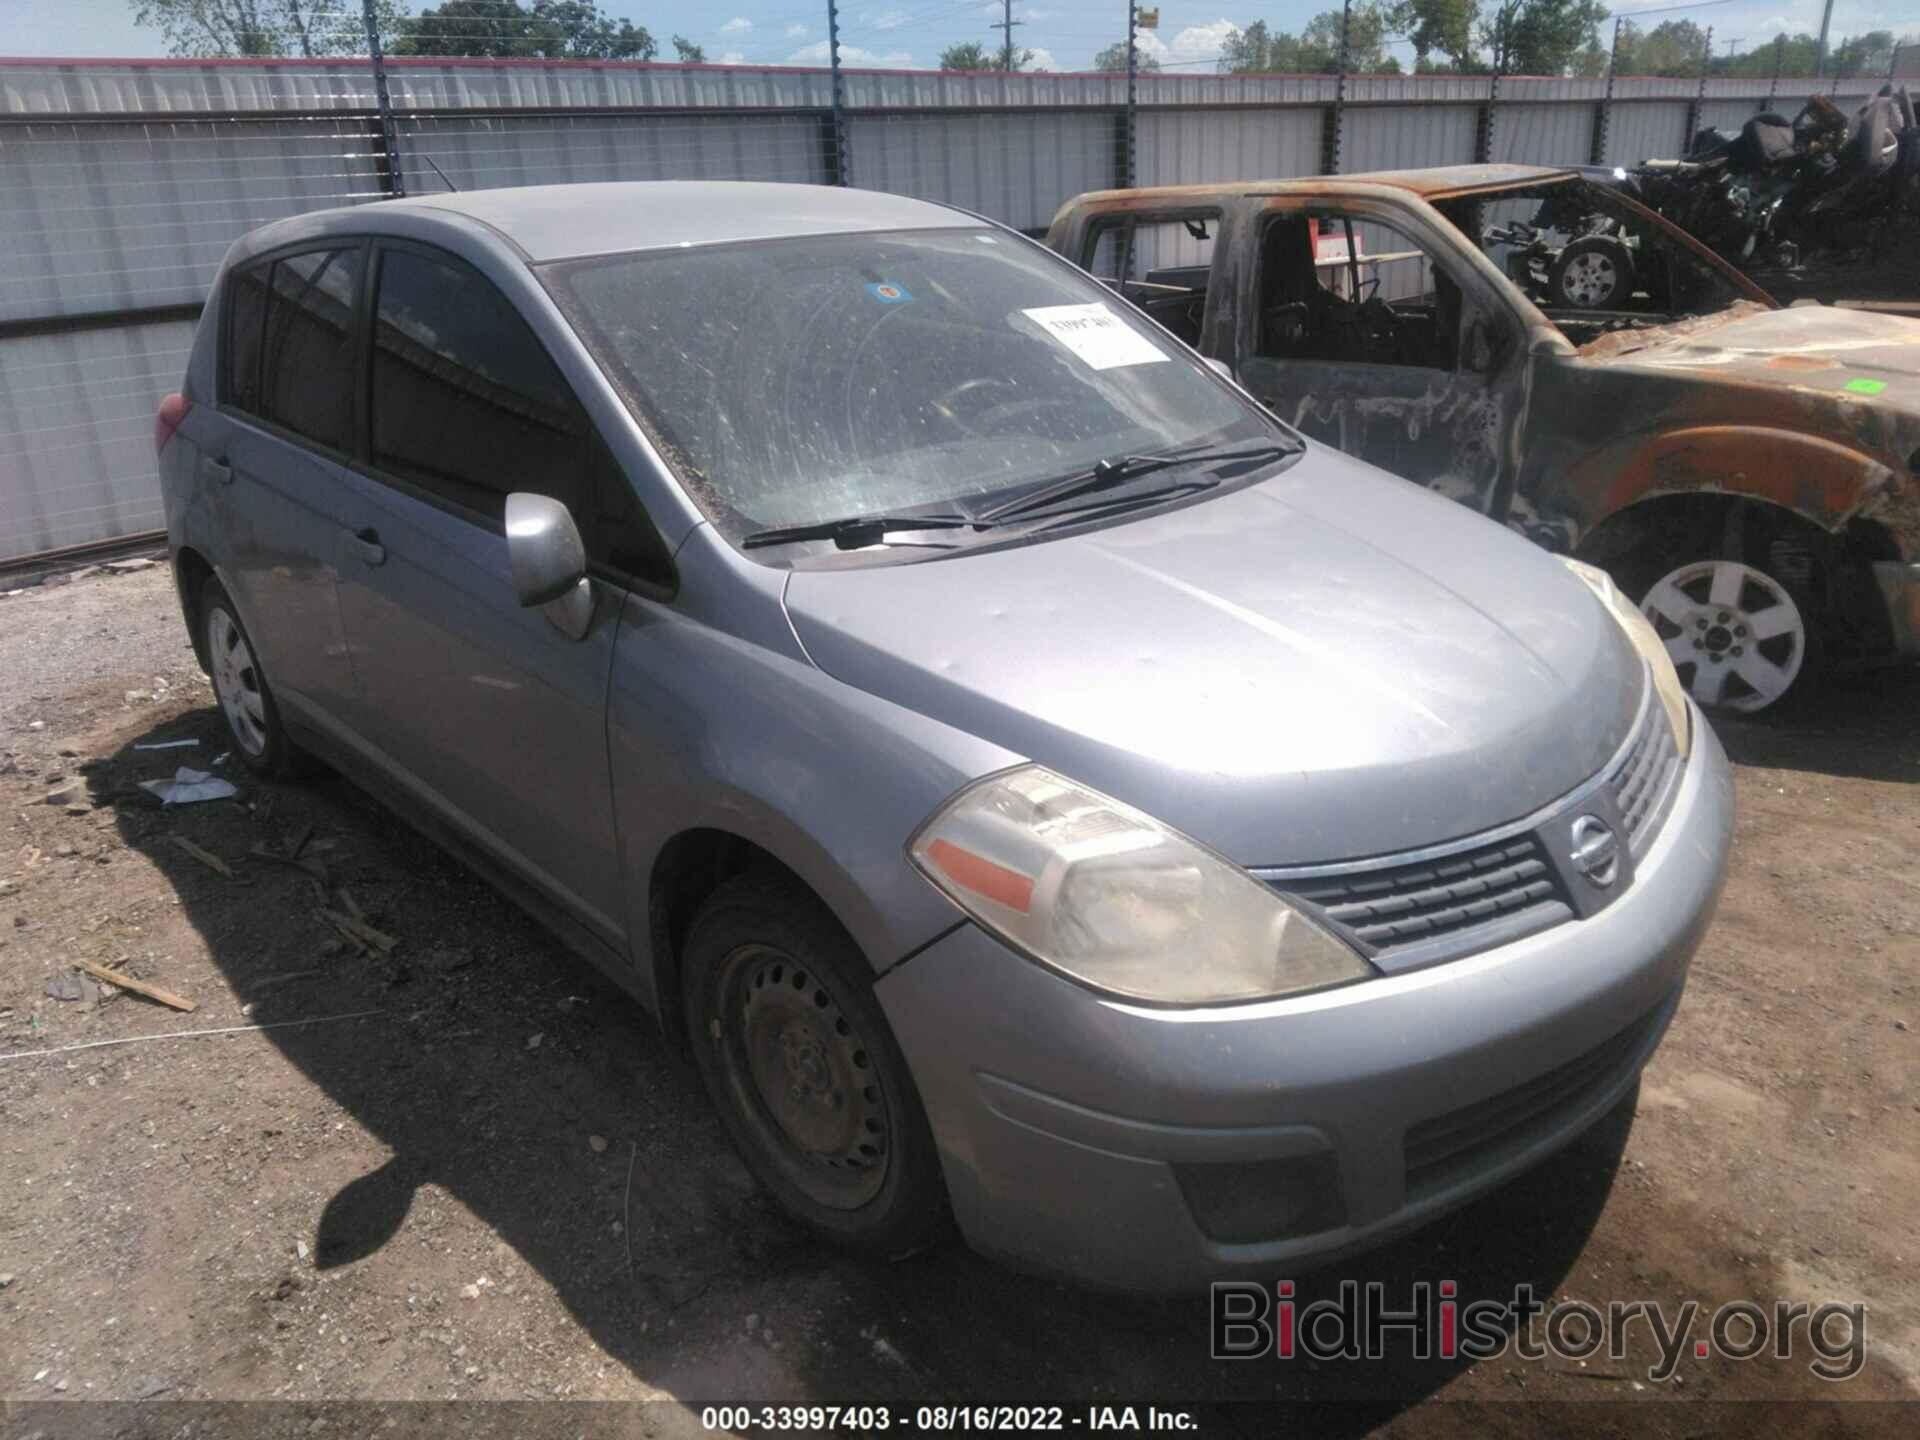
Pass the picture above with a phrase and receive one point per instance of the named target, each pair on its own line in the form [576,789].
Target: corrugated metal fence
[125,181]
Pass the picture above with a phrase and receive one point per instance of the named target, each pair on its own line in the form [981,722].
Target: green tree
[1438,27]
[1114,57]
[1674,47]
[1256,50]
[1539,37]
[688,52]
[508,30]
[974,56]
[213,28]
[1870,54]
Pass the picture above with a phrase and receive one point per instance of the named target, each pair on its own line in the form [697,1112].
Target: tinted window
[246,318]
[466,403]
[307,380]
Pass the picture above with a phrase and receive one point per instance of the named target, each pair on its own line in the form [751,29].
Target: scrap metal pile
[1780,190]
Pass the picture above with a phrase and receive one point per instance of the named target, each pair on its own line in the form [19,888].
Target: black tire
[1595,272]
[774,988]
[259,736]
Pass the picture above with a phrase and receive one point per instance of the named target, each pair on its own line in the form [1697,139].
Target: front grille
[1441,1149]
[1430,900]
[1422,908]
[1645,778]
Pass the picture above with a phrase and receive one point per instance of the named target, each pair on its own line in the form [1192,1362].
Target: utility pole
[1006,27]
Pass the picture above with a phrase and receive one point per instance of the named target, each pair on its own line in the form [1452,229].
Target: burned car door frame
[1451,427]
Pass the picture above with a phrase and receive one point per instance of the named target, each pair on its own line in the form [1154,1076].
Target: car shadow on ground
[1859,725]
[500,1062]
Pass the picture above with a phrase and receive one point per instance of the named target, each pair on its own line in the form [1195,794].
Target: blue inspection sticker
[888,293]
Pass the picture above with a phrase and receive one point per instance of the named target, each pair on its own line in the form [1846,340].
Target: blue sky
[907,34]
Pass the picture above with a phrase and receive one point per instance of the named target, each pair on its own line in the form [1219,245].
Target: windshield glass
[803,380]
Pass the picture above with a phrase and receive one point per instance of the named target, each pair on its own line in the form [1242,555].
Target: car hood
[1325,665]
[1856,353]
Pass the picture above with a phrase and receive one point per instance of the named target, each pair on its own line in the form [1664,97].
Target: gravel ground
[498,1185]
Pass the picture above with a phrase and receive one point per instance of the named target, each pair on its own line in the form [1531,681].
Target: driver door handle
[366,544]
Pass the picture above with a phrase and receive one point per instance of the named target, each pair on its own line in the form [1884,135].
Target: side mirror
[548,562]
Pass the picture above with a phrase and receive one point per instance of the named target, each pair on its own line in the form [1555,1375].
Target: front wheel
[1738,637]
[1593,273]
[808,1079]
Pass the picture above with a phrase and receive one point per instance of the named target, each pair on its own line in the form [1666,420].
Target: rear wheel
[1740,638]
[808,1079]
[240,685]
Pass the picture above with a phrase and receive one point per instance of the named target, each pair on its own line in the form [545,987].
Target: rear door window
[307,376]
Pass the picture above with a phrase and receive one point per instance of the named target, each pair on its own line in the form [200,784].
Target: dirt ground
[494,1182]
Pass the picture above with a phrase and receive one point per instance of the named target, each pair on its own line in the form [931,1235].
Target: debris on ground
[138,987]
[189,787]
[205,857]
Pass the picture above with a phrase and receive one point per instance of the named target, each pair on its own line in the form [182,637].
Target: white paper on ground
[1096,335]
[189,786]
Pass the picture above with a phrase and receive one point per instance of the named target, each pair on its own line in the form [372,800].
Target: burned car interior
[1162,264]
[1337,289]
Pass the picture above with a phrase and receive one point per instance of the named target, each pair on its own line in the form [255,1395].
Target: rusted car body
[1781,445]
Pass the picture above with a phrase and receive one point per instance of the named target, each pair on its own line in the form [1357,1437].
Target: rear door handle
[220,470]
[366,544]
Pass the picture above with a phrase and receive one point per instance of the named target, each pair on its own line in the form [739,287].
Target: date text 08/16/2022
[941,1419]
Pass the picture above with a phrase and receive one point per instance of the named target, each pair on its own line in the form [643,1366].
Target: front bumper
[1071,1126]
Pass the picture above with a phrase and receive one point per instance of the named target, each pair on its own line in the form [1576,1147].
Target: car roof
[559,222]
[1439,183]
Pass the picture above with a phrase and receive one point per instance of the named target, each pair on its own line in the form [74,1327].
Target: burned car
[1747,473]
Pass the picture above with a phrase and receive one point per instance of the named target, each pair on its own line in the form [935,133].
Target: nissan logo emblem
[1596,850]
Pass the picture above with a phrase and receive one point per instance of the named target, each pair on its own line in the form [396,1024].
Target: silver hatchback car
[1034,784]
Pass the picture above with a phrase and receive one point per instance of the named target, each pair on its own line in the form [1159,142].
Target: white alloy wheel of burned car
[1736,636]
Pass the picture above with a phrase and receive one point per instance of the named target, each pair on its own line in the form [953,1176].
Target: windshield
[796,381]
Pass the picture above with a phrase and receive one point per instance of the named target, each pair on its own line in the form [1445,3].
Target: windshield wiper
[1118,469]
[853,532]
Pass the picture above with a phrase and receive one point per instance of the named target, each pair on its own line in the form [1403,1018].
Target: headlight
[1666,681]
[1113,898]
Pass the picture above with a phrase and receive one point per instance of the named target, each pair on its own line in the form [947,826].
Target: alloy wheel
[1735,634]
[1590,279]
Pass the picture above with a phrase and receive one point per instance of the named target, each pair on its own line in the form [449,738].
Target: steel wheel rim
[1735,634]
[804,1077]
[236,681]
[1589,278]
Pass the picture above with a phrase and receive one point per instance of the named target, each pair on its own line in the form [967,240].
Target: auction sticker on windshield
[1096,335]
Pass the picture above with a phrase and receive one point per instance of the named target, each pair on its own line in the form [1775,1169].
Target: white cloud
[817,54]
[884,20]
[732,57]
[1042,59]
[738,25]
[1194,43]
[796,30]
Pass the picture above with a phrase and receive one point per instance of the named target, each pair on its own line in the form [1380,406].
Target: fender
[1821,481]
